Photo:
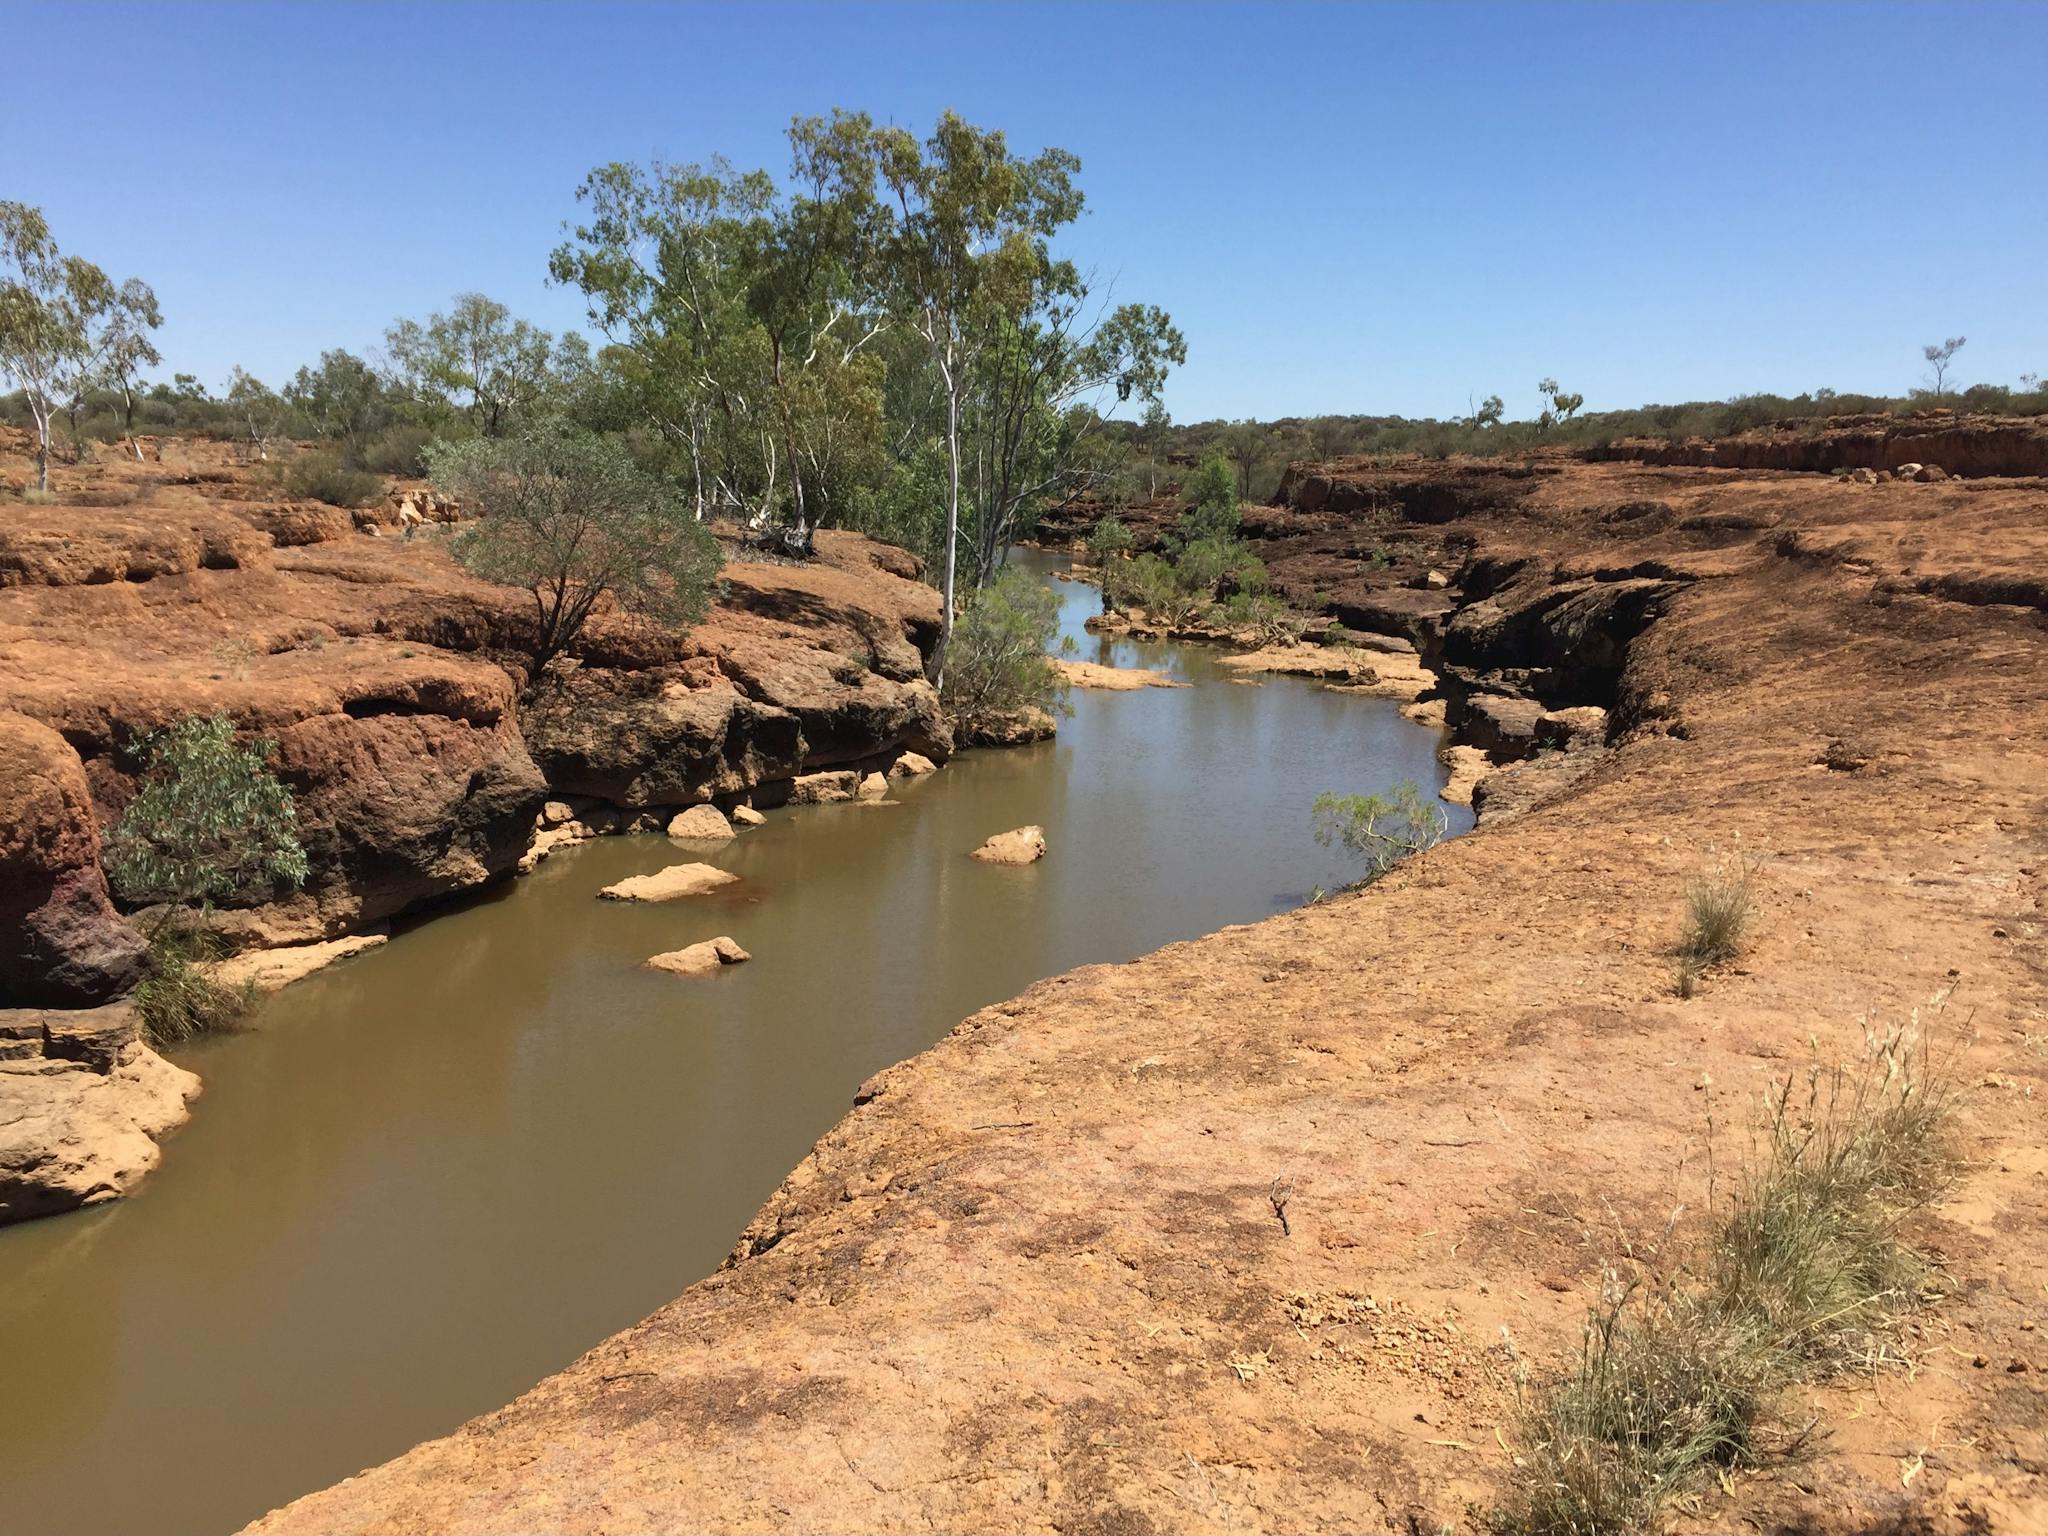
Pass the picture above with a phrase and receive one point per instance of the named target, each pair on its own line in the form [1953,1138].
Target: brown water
[431,1176]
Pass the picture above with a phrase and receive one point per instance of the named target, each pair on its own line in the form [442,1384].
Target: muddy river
[434,1174]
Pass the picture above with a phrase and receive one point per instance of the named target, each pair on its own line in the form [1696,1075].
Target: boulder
[827,788]
[700,959]
[61,942]
[671,884]
[555,812]
[1908,471]
[1583,725]
[747,816]
[701,823]
[1024,845]
[912,765]
[873,787]
[1501,725]
[1929,474]
[1016,728]
[82,1103]
[1467,765]
[1435,581]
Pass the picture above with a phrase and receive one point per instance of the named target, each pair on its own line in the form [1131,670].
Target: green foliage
[1108,546]
[480,365]
[1213,567]
[66,329]
[343,398]
[1213,511]
[999,662]
[1269,620]
[182,998]
[399,450]
[568,516]
[324,475]
[1381,829]
[210,819]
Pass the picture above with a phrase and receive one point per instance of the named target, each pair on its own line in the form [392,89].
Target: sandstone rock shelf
[1034,1280]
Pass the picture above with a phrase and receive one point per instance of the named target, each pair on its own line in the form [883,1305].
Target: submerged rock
[1024,845]
[912,765]
[671,884]
[700,959]
[747,816]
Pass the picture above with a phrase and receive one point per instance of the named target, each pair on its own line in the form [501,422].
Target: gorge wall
[393,686]
[1258,1232]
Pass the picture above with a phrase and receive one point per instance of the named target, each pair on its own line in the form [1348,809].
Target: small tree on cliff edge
[570,517]
[210,818]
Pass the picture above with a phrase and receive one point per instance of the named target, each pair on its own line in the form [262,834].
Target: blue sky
[1346,208]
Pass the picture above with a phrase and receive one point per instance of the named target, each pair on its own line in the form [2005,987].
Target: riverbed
[428,1177]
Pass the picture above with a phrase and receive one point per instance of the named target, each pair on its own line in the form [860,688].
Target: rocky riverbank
[1257,1232]
[393,685]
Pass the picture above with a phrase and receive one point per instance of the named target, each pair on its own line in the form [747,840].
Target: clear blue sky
[1365,208]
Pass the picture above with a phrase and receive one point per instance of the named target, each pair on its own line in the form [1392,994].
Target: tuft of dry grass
[1718,908]
[1804,1273]
[182,999]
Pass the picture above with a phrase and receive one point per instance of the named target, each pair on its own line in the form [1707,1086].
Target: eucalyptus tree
[342,398]
[65,328]
[743,313]
[480,363]
[258,407]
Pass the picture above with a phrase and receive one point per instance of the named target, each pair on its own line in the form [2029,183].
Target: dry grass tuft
[1718,908]
[1804,1273]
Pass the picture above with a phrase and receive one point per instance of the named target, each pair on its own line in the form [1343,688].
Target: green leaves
[1382,829]
[210,817]
[570,517]
[998,662]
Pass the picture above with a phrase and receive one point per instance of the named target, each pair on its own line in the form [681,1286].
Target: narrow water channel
[429,1177]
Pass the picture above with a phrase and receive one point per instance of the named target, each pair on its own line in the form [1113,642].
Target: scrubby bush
[398,450]
[1717,912]
[211,821]
[1381,829]
[1804,1272]
[998,662]
[323,475]
[1108,546]
[569,518]
[1212,511]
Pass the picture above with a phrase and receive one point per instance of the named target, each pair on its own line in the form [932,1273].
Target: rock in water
[1025,845]
[747,816]
[912,765]
[703,824]
[874,787]
[671,884]
[700,959]
[827,788]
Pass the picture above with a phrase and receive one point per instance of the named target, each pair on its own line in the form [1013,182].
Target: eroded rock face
[65,946]
[82,1102]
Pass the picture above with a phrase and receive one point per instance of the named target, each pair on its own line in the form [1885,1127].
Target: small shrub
[1108,544]
[399,450]
[1213,511]
[1718,908]
[1803,1273]
[997,662]
[181,999]
[324,476]
[1382,829]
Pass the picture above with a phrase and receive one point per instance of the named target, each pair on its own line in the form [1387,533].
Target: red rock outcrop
[69,947]
[1258,1232]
